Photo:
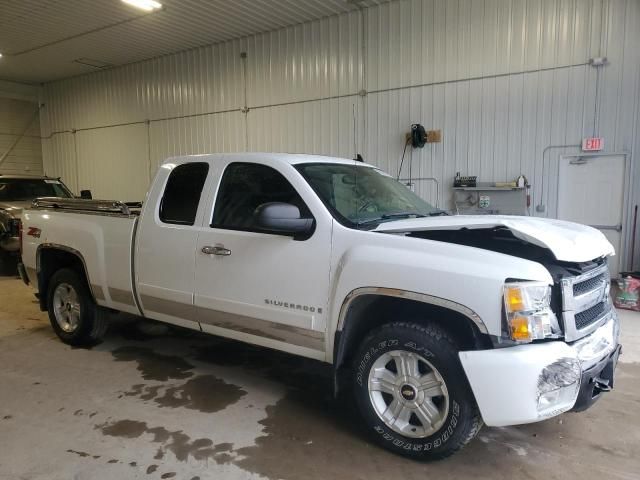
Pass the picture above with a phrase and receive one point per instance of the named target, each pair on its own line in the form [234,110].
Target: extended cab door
[166,243]
[259,287]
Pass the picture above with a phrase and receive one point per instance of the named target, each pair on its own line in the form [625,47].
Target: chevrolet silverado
[434,324]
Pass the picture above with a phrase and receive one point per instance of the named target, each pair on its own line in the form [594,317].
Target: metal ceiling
[44,40]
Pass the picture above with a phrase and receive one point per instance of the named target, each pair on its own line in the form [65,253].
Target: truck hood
[15,207]
[568,241]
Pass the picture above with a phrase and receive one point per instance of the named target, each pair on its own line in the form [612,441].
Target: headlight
[528,309]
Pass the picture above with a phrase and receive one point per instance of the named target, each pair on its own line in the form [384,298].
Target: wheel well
[50,260]
[367,312]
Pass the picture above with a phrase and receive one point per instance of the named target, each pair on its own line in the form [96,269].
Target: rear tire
[412,392]
[73,313]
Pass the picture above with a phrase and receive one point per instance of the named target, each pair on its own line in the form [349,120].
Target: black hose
[402,159]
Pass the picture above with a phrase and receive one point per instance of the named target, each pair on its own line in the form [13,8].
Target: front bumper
[597,380]
[529,383]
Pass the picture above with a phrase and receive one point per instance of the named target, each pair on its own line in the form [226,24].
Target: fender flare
[408,295]
[341,338]
[67,249]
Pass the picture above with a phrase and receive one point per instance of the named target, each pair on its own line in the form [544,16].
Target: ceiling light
[0,55]
[146,5]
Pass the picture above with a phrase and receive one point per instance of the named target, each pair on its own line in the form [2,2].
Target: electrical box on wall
[434,136]
[418,136]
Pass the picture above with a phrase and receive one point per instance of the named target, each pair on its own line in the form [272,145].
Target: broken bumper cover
[529,383]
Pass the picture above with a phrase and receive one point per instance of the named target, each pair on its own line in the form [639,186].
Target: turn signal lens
[513,297]
[520,329]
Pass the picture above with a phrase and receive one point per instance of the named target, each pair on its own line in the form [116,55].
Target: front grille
[590,315]
[585,301]
[588,285]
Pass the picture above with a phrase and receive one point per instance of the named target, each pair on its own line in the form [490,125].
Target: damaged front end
[560,343]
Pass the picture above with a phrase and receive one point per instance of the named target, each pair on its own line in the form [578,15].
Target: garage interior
[100,93]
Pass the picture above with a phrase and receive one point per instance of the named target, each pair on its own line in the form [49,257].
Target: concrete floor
[151,403]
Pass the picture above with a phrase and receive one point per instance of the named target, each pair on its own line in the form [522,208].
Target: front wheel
[73,314]
[412,392]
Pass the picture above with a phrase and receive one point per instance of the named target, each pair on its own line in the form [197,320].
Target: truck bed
[101,231]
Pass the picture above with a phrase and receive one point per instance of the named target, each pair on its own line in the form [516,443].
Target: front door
[255,286]
[591,192]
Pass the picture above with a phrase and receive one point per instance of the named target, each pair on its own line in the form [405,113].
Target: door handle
[216,250]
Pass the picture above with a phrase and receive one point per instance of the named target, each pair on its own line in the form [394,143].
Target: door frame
[625,234]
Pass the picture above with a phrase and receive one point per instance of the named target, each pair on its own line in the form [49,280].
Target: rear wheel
[73,314]
[412,392]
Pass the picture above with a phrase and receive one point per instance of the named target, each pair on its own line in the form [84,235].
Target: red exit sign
[592,144]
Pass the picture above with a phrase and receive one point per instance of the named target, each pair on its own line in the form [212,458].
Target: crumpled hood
[568,241]
[15,207]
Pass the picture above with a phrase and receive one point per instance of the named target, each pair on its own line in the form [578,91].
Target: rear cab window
[182,193]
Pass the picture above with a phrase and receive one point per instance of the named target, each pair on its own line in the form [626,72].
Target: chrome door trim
[122,296]
[418,297]
[301,337]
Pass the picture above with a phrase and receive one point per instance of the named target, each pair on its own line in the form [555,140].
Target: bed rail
[84,205]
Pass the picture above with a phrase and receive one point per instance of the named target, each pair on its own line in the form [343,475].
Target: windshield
[12,189]
[362,196]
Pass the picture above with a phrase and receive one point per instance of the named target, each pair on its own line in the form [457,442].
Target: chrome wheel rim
[408,394]
[66,307]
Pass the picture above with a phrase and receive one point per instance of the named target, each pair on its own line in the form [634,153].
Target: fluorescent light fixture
[146,5]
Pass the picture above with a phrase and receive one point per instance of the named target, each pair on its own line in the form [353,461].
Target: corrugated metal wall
[26,155]
[503,80]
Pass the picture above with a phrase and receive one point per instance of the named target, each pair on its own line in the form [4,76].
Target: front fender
[467,278]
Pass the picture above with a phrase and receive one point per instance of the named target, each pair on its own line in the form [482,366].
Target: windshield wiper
[403,214]
[390,216]
[437,213]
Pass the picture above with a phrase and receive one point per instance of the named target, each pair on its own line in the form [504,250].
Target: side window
[181,195]
[246,186]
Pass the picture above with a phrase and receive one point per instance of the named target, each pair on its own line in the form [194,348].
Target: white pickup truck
[435,323]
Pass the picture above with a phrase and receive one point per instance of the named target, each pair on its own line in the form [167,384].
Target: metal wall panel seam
[484,77]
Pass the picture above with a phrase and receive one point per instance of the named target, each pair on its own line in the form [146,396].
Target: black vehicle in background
[16,193]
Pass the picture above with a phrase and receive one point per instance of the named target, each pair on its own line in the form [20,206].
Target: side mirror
[86,194]
[284,219]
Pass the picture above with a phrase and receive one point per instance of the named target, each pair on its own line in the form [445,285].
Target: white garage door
[591,191]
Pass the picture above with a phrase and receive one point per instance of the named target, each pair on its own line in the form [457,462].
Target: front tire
[412,392]
[73,314]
